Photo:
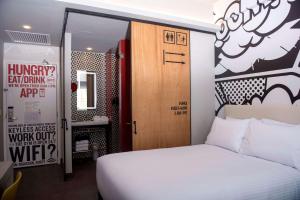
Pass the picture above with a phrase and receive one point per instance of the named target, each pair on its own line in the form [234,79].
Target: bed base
[99,197]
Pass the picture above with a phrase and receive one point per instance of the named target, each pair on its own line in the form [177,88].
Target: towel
[82,145]
[82,149]
[82,142]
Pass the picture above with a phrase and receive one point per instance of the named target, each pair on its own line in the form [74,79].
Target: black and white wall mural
[257,52]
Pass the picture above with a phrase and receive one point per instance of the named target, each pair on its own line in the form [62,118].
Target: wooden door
[160,86]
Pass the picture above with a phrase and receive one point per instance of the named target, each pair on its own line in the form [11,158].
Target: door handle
[134,130]
[64,124]
[66,121]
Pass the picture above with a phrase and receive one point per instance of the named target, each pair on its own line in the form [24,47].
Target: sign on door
[31,114]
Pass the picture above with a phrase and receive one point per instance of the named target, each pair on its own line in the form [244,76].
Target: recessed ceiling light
[27,27]
[89,48]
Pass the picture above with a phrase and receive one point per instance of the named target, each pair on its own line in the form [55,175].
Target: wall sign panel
[31,127]
[169,37]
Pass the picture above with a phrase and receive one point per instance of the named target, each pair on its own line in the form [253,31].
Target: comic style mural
[257,53]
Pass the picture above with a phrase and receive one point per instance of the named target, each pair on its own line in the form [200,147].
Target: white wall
[202,85]
[194,9]
[1,102]
[30,54]
[195,14]
[219,8]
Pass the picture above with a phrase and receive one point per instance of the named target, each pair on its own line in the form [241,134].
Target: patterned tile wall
[94,62]
[106,67]
[112,91]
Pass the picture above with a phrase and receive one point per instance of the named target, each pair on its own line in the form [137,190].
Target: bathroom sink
[89,123]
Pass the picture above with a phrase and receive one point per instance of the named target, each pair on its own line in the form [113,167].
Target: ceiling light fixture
[89,48]
[27,27]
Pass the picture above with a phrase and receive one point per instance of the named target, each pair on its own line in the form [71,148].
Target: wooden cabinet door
[160,86]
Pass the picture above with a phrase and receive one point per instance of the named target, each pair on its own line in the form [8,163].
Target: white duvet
[194,172]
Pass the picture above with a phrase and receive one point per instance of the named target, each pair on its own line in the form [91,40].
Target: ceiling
[99,33]
[47,16]
[195,10]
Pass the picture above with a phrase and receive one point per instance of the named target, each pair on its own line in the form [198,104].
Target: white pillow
[296,158]
[227,133]
[236,119]
[270,121]
[272,142]
[232,118]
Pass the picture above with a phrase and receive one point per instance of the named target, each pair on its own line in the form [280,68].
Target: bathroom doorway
[97,76]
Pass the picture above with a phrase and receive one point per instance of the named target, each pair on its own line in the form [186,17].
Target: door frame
[66,113]
[4,117]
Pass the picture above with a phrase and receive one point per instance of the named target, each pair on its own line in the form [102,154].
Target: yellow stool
[10,192]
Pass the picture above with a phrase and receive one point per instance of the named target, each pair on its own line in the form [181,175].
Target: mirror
[87,91]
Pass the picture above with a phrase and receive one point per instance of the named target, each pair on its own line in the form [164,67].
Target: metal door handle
[64,123]
[134,124]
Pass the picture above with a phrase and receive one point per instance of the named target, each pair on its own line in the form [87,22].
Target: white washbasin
[89,123]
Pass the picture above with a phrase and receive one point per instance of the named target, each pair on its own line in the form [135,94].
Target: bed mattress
[194,172]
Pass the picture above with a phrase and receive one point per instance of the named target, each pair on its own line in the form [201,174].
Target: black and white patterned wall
[257,52]
[106,67]
[112,88]
[94,62]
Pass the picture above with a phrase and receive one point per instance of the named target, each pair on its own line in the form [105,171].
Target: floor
[47,183]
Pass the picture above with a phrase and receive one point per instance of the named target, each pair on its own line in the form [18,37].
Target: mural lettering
[257,53]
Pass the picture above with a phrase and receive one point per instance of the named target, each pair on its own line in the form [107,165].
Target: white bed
[195,172]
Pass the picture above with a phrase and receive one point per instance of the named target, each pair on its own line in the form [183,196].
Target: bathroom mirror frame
[79,75]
